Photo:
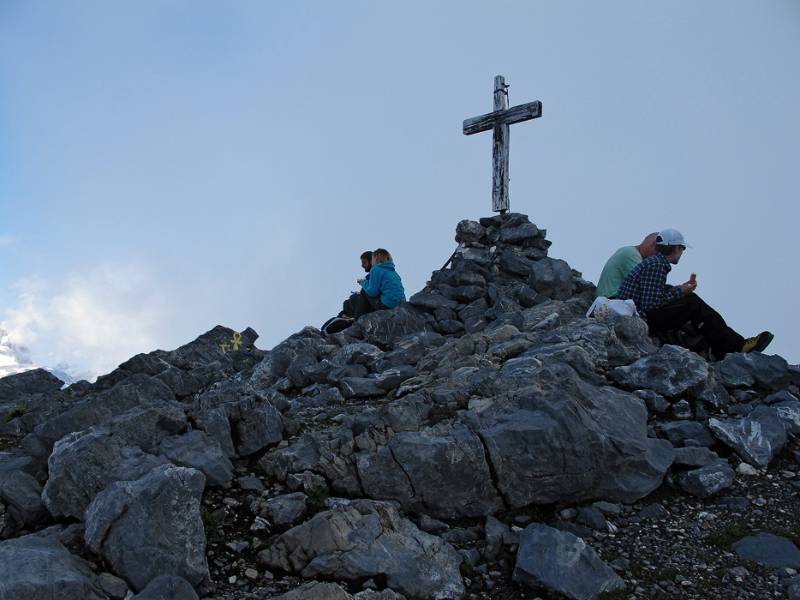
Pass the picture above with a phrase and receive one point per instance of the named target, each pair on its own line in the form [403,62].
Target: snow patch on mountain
[16,358]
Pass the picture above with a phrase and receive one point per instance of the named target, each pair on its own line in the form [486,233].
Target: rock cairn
[483,439]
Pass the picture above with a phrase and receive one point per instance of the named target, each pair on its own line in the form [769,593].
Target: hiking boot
[337,324]
[757,343]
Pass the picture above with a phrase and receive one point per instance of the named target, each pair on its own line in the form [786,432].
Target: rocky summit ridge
[483,440]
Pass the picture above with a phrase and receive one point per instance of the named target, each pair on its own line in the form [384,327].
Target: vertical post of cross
[500,150]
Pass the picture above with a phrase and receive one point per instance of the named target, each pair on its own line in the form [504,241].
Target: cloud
[92,320]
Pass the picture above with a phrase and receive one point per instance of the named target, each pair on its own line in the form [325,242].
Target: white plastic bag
[603,308]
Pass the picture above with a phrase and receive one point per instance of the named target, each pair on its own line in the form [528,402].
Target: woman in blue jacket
[383,288]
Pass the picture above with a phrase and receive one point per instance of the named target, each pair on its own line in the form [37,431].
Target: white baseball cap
[671,237]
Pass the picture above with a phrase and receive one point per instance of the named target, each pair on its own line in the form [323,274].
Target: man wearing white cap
[667,307]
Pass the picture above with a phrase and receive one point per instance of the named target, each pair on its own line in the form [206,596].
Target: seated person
[621,263]
[667,307]
[381,288]
[347,305]
[366,262]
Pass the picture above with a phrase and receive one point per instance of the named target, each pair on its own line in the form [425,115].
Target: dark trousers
[361,304]
[708,322]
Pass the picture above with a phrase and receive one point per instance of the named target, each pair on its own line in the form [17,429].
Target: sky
[169,166]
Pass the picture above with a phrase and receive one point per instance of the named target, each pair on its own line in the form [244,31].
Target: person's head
[380,255]
[648,245]
[366,260]
[671,244]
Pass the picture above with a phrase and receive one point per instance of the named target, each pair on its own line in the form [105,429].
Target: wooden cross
[499,120]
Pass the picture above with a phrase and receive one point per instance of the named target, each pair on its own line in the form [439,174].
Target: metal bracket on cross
[499,121]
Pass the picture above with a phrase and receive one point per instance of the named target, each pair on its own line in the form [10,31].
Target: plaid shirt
[647,285]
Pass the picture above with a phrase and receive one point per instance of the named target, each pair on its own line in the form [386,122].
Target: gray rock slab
[112,586]
[83,463]
[562,562]
[781,396]
[695,456]
[22,494]
[768,550]
[151,526]
[581,443]
[712,392]
[519,233]
[440,472]
[681,432]
[318,590]
[35,381]
[608,508]
[200,451]
[363,539]
[360,387]
[495,532]
[788,411]
[734,503]
[551,277]
[655,402]
[592,517]
[215,422]
[653,512]
[469,231]
[756,438]
[258,426]
[167,587]
[287,508]
[394,376]
[385,327]
[134,392]
[250,484]
[670,371]
[515,263]
[357,353]
[34,568]
[382,595]
[430,301]
[744,370]
[793,588]
[707,481]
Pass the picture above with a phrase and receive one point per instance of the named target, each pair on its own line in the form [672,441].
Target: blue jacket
[385,282]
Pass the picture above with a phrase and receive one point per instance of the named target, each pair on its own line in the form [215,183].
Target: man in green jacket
[621,263]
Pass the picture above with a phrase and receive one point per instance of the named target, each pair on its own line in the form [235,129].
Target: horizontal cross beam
[509,116]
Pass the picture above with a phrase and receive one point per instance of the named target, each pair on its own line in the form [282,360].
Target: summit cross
[499,120]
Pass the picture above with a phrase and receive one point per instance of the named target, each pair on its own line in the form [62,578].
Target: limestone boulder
[198,450]
[769,550]
[383,328]
[670,372]
[564,563]
[441,472]
[707,480]
[551,277]
[167,587]
[85,462]
[754,368]
[580,441]
[137,391]
[151,526]
[35,567]
[756,438]
[363,539]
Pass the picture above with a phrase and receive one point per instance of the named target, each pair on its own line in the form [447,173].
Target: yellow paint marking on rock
[237,340]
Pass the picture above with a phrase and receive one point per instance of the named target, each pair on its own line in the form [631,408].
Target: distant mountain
[15,358]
